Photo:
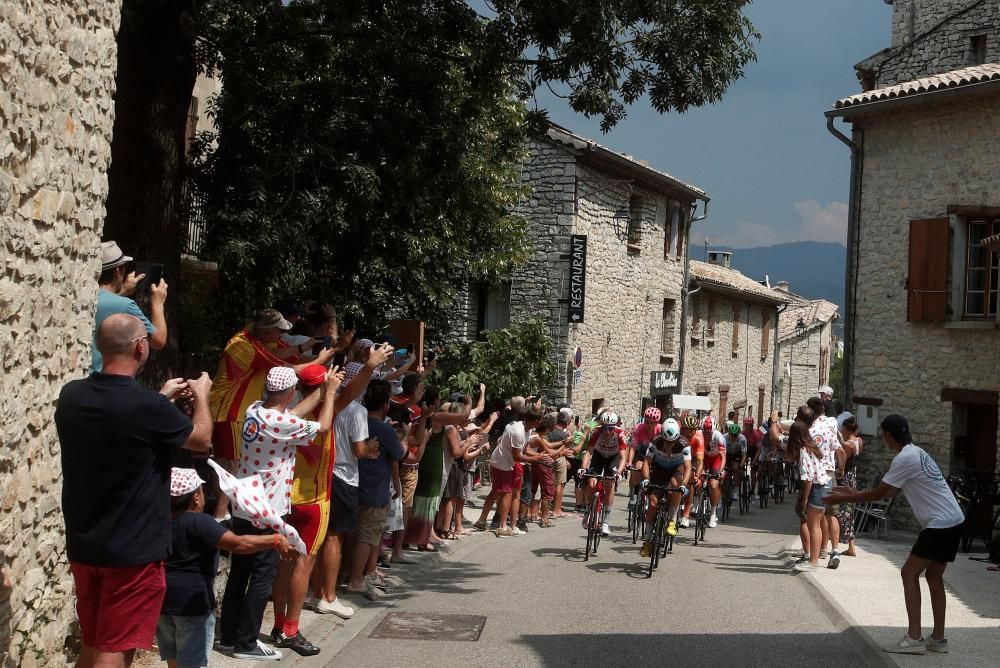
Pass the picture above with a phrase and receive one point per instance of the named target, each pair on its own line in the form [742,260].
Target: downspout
[686,292]
[850,278]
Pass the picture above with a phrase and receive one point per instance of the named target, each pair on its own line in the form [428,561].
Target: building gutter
[776,367]
[686,292]
[850,276]
[938,95]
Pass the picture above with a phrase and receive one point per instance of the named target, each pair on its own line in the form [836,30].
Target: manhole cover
[429,626]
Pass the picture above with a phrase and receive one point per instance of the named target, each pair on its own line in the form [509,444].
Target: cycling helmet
[671,430]
[734,429]
[609,419]
[689,422]
[708,424]
[652,413]
[748,421]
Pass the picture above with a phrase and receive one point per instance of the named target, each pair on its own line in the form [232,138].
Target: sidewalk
[867,593]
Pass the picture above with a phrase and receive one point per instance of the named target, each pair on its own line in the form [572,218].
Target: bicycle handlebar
[583,473]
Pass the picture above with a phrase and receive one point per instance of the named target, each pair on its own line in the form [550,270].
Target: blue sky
[763,153]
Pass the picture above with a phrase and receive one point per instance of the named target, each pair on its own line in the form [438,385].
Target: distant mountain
[813,269]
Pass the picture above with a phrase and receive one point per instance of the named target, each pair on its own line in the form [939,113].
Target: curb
[842,620]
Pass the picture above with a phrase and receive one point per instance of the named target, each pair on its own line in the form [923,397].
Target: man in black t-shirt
[116,443]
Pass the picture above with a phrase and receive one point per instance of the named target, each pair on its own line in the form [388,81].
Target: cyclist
[642,436]
[667,463]
[736,456]
[690,432]
[604,458]
[714,461]
[753,437]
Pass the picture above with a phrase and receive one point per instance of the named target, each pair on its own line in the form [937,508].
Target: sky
[763,154]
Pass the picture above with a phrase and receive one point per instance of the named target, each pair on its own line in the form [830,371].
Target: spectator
[560,471]
[463,445]
[847,475]
[113,296]
[373,491]
[240,380]
[815,485]
[824,432]
[915,473]
[826,396]
[430,478]
[310,505]
[116,442]
[186,628]
[507,453]
[405,408]
[544,453]
[351,443]
[271,436]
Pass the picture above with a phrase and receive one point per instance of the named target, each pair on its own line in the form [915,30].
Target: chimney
[721,258]
[783,286]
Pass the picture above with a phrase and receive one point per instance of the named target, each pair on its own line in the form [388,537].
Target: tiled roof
[954,79]
[713,275]
[814,313]
[564,136]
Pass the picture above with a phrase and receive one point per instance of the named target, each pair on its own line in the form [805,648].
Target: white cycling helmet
[609,419]
[670,429]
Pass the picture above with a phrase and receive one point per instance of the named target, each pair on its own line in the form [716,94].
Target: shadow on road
[631,570]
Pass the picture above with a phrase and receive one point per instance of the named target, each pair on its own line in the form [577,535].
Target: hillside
[814,269]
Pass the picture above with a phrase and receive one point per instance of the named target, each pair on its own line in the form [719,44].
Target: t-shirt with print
[918,475]
[824,433]
[376,474]
[350,426]
[270,440]
[513,438]
[191,566]
[811,468]
[608,442]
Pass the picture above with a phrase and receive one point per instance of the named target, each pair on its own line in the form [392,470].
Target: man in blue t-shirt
[114,288]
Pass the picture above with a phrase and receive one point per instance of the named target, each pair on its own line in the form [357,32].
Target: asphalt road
[728,601]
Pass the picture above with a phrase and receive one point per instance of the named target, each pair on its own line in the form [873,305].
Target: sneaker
[937,645]
[259,653]
[516,531]
[334,607]
[834,560]
[522,525]
[503,533]
[713,521]
[647,548]
[672,529]
[379,582]
[803,567]
[605,529]
[223,648]
[907,646]
[685,523]
[276,636]
[823,554]
[298,644]
[801,560]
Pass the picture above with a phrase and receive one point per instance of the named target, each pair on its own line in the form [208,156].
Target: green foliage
[511,361]
[837,375]
[369,153]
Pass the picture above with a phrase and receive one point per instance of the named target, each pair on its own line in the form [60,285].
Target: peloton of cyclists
[604,457]
[736,457]
[714,460]
[667,463]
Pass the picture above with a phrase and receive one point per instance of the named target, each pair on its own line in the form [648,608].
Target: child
[187,618]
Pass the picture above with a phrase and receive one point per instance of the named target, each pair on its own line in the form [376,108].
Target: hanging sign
[663,382]
[577,277]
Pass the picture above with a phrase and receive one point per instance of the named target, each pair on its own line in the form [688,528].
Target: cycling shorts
[639,453]
[602,465]
[661,476]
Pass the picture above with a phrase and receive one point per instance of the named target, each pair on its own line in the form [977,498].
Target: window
[667,345]
[494,308]
[695,321]
[765,333]
[682,226]
[981,268]
[736,329]
[635,224]
[710,318]
[977,49]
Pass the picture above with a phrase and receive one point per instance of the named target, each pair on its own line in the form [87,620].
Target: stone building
[921,334]
[57,68]
[806,346]
[625,315]
[730,345]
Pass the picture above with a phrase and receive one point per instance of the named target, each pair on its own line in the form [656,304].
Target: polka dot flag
[250,504]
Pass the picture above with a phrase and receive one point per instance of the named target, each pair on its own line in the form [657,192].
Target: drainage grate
[429,626]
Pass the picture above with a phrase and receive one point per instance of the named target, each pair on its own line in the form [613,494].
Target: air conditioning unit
[868,420]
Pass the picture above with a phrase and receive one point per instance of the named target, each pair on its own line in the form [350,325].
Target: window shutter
[736,328]
[710,317]
[765,332]
[927,282]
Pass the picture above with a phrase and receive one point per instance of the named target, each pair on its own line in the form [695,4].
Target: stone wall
[948,45]
[57,77]
[918,161]
[712,362]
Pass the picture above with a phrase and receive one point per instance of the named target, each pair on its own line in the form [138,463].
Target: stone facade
[577,187]
[57,70]
[728,356]
[805,352]
[933,36]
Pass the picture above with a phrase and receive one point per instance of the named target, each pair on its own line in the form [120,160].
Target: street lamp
[621,218]
[621,221]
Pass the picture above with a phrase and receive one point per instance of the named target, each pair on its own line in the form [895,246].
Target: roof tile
[963,77]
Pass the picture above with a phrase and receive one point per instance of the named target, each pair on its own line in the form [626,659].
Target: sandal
[450,536]
[545,525]
[426,548]
[479,526]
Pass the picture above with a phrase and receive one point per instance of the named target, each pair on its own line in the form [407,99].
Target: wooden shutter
[927,280]
[736,328]
[710,317]
[765,332]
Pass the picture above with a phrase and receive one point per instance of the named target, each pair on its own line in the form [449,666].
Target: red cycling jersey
[608,442]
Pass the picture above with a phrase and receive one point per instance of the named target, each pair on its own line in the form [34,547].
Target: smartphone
[152,270]
[576,421]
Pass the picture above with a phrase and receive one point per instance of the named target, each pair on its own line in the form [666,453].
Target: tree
[513,361]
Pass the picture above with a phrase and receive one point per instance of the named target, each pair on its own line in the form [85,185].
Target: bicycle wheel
[591,513]
[706,512]
[762,487]
[779,488]
[744,494]
[699,511]
[597,523]
[654,551]
[632,501]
